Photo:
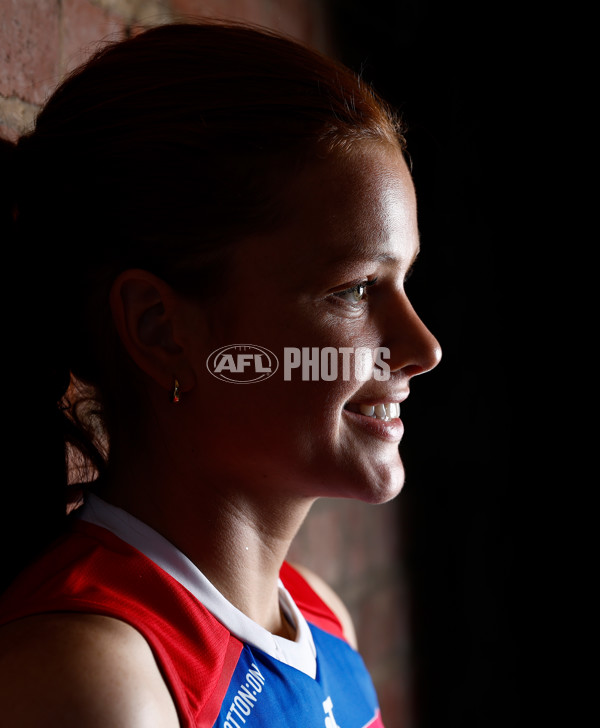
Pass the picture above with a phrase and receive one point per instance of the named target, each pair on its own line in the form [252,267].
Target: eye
[357,293]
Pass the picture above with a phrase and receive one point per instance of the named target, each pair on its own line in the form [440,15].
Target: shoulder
[81,670]
[331,599]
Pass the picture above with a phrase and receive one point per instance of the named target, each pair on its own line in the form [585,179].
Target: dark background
[446,67]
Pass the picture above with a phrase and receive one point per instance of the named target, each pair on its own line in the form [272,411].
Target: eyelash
[356,290]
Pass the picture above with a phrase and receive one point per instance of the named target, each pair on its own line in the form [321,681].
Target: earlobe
[145,311]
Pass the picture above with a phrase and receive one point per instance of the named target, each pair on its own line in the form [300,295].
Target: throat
[287,628]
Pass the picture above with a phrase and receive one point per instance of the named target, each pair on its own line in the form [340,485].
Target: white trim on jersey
[300,654]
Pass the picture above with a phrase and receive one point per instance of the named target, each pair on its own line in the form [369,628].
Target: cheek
[301,418]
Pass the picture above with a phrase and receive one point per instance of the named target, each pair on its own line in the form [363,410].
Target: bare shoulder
[333,601]
[80,670]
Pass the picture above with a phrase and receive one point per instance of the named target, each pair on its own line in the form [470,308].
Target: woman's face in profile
[331,278]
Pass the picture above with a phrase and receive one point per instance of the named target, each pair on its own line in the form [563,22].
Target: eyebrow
[366,257]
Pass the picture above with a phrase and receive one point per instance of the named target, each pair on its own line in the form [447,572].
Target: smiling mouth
[386,411]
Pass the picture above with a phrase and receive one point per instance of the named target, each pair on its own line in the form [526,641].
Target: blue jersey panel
[266,692]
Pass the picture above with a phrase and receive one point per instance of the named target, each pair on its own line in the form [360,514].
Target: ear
[147,314]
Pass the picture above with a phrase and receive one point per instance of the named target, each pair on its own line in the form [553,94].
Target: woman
[211,186]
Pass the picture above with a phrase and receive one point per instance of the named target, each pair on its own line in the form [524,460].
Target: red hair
[159,153]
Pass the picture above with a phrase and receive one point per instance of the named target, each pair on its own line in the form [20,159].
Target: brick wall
[355,547]
[41,40]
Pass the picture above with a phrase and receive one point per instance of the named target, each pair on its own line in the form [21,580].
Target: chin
[385,494]
[380,486]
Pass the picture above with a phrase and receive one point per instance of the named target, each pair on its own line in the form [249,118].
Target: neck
[238,537]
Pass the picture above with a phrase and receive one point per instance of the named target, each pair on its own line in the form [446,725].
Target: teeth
[385,412]
[381,412]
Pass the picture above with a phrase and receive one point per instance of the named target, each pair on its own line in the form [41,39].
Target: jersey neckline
[300,654]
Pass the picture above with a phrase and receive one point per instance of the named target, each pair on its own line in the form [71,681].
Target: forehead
[341,209]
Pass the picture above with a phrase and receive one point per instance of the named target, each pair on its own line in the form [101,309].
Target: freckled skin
[294,435]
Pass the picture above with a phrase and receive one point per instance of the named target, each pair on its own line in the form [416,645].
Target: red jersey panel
[215,677]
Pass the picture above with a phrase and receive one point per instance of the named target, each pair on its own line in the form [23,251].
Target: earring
[175,392]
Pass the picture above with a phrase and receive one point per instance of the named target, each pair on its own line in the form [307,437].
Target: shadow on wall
[465,491]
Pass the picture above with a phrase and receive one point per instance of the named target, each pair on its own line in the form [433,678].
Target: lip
[373,400]
[391,431]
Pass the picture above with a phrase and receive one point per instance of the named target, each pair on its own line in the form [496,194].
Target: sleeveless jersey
[222,669]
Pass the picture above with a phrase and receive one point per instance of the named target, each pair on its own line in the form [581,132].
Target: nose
[413,348]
